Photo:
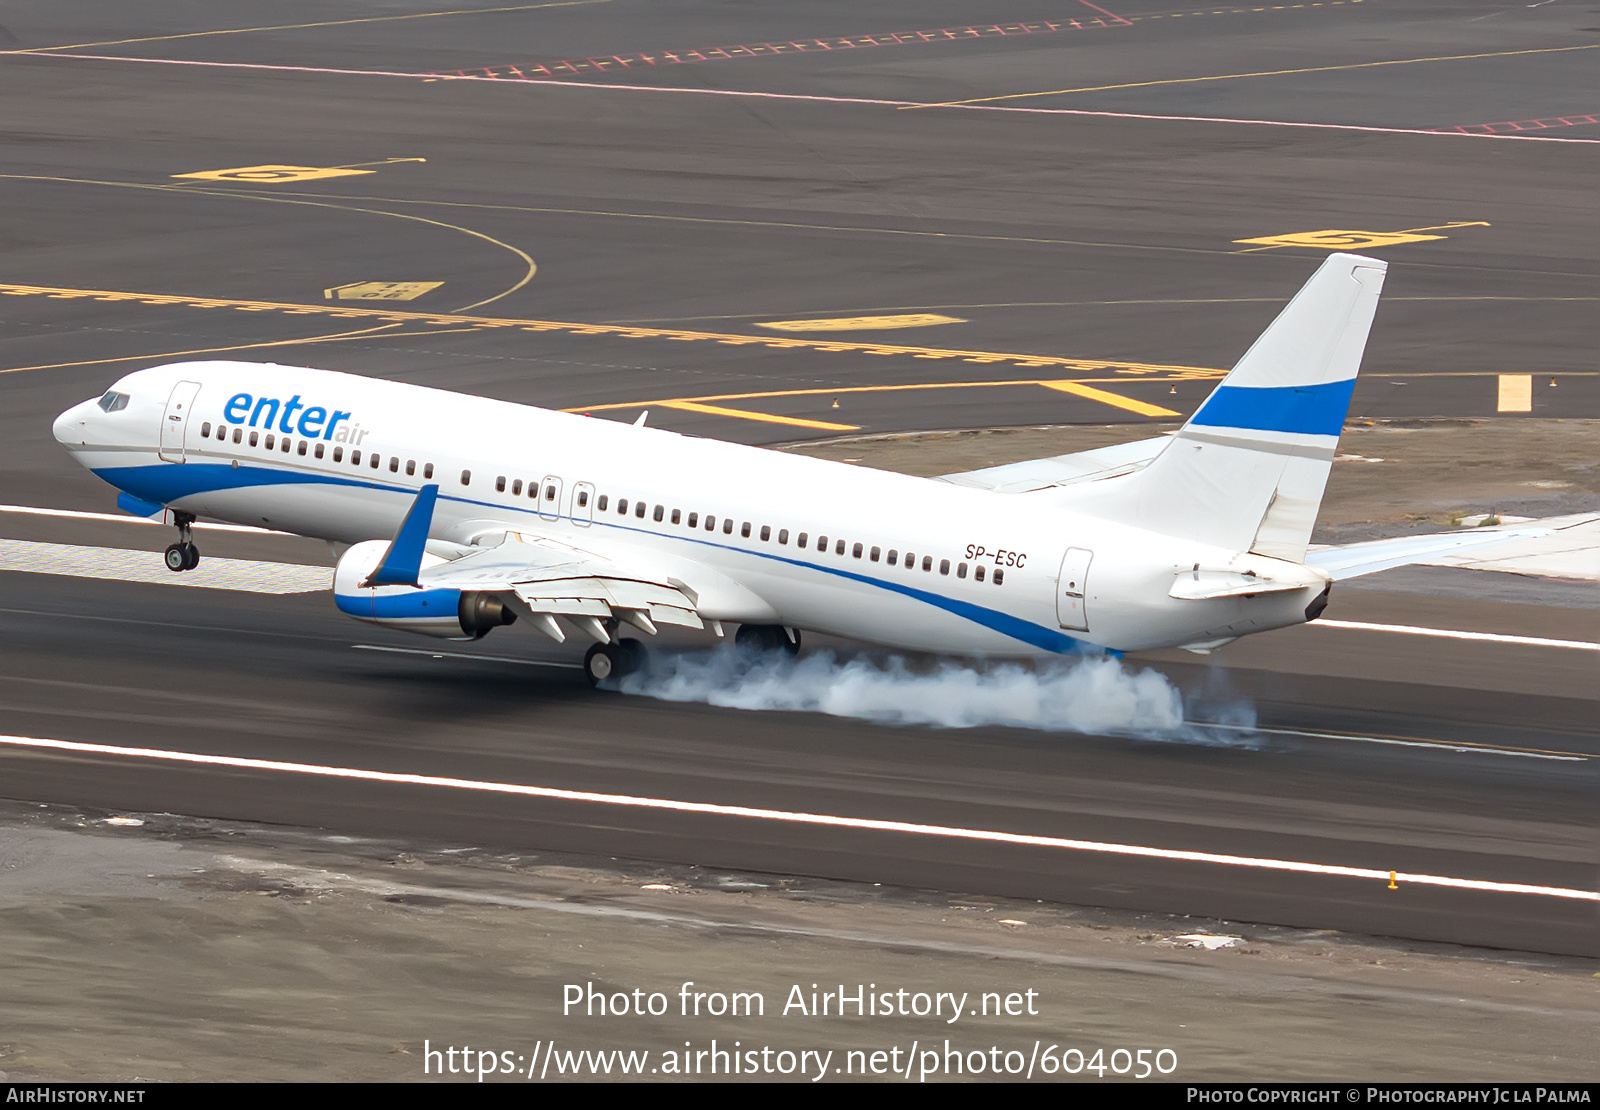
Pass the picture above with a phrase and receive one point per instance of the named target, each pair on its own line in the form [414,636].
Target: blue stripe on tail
[1308,409]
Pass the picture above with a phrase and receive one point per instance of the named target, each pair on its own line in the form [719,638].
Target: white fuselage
[971,571]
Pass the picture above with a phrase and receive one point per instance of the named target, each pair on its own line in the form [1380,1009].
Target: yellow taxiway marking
[1090,393]
[306,26]
[760,417]
[1356,240]
[381,290]
[863,323]
[705,405]
[344,311]
[1258,73]
[156,359]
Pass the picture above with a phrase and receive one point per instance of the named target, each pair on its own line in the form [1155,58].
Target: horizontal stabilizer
[1062,470]
[1354,560]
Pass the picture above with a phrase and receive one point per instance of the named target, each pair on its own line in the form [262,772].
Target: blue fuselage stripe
[1307,409]
[167,482]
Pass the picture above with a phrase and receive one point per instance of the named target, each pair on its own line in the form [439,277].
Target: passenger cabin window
[873,555]
[238,434]
[855,552]
[638,506]
[376,459]
[355,458]
[999,575]
[622,506]
[783,535]
[271,442]
[744,529]
[427,469]
[205,429]
[766,533]
[961,570]
[319,450]
[500,483]
[287,441]
[411,464]
[927,562]
[944,566]
[466,477]
[711,522]
[253,438]
[550,493]
[338,454]
[694,520]
[301,450]
[676,516]
[583,498]
[601,504]
[822,543]
[727,526]
[659,514]
[894,557]
[977,572]
[838,547]
[516,487]
[800,540]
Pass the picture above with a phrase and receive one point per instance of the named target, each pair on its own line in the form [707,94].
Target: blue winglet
[404,558]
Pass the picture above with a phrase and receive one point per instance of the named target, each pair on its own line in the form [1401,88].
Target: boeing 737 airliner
[464,514]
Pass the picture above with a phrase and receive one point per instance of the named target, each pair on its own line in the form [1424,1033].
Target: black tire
[191,557]
[177,557]
[600,662]
[635,656]
[764,638]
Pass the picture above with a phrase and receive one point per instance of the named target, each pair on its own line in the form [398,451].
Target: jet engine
[446,613]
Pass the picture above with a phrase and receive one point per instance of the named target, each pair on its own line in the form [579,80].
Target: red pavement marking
[575,66]
[1519,125]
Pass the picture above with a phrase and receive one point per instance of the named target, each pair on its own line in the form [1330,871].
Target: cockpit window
[113,401]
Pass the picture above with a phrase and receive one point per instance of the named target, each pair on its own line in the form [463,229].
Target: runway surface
[730,217]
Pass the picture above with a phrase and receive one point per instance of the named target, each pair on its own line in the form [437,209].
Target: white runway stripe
[796,818]
[122,565]
[1453,634]
[124,518]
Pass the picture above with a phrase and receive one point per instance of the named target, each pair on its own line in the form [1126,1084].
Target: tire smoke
[1094,695]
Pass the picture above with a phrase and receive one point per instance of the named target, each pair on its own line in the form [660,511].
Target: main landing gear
[183,555]
[766,638]
[603,661]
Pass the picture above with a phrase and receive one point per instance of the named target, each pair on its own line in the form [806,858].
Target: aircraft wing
[1355,559]
[1062,470]
[541,578]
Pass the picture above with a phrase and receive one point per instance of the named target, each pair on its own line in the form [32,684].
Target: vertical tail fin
[1248,470]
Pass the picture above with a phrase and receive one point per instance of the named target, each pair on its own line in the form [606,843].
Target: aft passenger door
[175,420]
[1072,589]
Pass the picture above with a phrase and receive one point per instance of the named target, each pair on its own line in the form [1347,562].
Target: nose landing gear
[183,555]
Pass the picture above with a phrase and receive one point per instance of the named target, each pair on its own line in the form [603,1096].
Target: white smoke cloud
[1094,695]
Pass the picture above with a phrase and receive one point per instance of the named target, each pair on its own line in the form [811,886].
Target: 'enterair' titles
[312,421]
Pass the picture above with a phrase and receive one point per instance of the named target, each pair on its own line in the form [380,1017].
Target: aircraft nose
[69,426]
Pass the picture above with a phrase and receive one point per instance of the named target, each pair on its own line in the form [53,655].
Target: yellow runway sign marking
[351,311]
[271,175]
[381,290]
[1516,393]
[863,323]
[1354,240]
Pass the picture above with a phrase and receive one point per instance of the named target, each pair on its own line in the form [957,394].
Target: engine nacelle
[445,613]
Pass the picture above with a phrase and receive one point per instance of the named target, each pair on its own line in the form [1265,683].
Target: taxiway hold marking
[1456,634]
[791,817]
[863,323]
[1089,393]
[345,311]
